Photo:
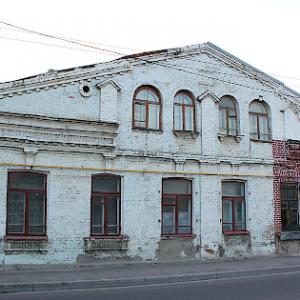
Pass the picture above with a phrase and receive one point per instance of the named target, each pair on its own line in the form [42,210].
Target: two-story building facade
[159,155]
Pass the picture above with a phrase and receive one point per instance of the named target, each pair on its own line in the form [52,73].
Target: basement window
[177,207]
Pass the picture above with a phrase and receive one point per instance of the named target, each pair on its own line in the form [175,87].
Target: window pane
[173,186]
[139,115]
[178,125]
[147,95]
[227,215]
[253,126]
[97,215]
[16,212]
[257,107]
[169,201]
[233,189]
[223,121]
[153,121]
[168,219]
[289,191]
[189,118]
[26,181]
[179,98]
[239,215]
[263,127]
[36,213]
[232,123]
[184,215]
[187,100]
[226,102]
[293,213]
[112,214]
[106,184]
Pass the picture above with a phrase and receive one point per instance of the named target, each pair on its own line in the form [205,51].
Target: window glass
[140,114]
[239,215]
[223,121]
[24,180]
[178,119]
[106,184]
[168,226]
[176,186]
[233,189]
[113,214]
[253,127]
[227,102]
[184,211]
[153,116]
[16,212]
[147,95]
[227,215]
[189,118]
[98,215]
[232,123]
[36,213]
[263,126]
[257,107]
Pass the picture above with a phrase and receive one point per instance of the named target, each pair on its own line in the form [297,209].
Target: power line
[77,40]
[53,45]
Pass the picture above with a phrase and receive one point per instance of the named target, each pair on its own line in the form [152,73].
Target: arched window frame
[105,205]
[146,103]
[258,117]
[26,192]
[228,111]
[183,107]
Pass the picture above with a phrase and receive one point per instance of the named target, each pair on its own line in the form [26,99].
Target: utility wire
[183,69]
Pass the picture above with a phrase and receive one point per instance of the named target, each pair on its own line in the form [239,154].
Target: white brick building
[128,159]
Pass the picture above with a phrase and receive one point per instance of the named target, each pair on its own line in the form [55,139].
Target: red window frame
[183,107]
[227,111]
[145,103]
[257,115]
[26,209]
[177,197]
[105,195]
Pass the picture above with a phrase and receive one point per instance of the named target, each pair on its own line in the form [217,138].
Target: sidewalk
[139,273]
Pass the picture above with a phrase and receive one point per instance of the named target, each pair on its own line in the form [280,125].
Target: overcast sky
[264,33]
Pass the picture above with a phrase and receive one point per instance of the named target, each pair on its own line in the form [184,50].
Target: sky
[264,33]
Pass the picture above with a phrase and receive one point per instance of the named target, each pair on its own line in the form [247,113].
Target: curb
[140,281]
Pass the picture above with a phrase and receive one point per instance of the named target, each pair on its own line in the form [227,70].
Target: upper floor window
[177,206]
[184,112]
[26,204]
[147,108]
[105,207]
[228,116]
[233,206]
[259,121]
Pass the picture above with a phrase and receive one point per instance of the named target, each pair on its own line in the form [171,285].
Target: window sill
[237,232]
[177,236]
[261,141]
[147,130]
[224,137]
[25,238]
[290,235]
[106,243]
[25,244]
[185,133]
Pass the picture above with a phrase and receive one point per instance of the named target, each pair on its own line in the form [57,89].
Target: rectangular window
[233,206]
[140,115]
[26,204]
[289,206]
[177,207]
[105,206]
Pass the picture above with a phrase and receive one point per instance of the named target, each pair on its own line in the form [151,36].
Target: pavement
[125,274]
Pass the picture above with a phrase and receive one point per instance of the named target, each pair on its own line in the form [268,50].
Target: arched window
[184,112]
[147,108]
[26,204]
[228,116]
[259,121]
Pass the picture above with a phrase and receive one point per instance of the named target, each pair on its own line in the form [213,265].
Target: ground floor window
[26,204]
[105,206]
[289,206]
[233,203]
[177,206]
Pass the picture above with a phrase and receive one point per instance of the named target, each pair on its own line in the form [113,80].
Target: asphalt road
[273,287]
